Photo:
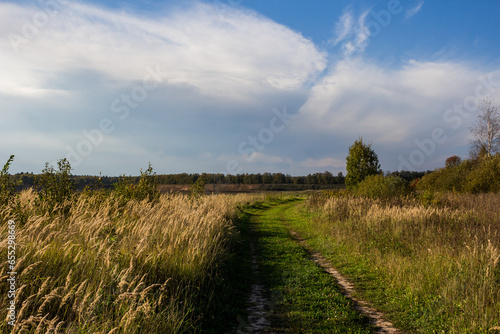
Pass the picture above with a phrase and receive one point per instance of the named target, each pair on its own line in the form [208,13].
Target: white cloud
[224,69]
[392,107]
[352,34]
[414,10]
[259,157]
[343,28]
[227,54]
[214,61]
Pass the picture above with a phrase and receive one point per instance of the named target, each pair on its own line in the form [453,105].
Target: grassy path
[300,296]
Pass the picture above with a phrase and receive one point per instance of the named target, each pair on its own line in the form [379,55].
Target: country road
[296,290]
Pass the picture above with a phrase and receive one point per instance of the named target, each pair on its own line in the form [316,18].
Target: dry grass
[112,269]
[440,263]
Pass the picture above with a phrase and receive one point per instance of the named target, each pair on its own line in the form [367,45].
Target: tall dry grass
[439,263]
[108,268]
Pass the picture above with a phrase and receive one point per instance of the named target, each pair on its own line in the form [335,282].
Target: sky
[242,86]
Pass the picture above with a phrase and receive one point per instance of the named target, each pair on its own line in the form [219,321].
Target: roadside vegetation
[480,175]
[121,261]
[425,252]
[432,267]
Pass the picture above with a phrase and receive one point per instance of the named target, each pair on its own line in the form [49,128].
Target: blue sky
[242,86]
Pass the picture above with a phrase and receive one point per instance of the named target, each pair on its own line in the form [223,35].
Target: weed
[105,265]
[197,188]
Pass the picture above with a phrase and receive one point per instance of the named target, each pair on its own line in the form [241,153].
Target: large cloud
[214,61]
[396,107]
[223,70]
[220,51]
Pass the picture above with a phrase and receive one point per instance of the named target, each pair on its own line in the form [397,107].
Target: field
[433,267]
[105,266]
[184,264]
[246,188]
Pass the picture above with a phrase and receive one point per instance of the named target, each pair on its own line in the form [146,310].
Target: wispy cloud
[351,33]
[414,10]
[343,28]
[323,163]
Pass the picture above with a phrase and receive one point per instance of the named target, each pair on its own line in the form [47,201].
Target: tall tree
[486,130]
[362,161]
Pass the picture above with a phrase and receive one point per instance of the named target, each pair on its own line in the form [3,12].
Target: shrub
[446,179]
[453,161]
[146,188]
[7,184]
[485,177]
[198,188]
[378,186]
[478,176]
[55,187]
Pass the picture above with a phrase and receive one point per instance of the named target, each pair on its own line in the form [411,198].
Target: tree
[362,161]
[453,161]
[486,130]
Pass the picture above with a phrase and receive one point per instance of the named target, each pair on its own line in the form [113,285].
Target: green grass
[430,269]
[303,298]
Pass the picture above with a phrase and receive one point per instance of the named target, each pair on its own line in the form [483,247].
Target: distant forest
[326,178]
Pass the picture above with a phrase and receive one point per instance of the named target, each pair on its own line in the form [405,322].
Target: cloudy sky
[242,86]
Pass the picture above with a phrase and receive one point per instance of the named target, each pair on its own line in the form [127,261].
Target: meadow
[132,260]
[112,266]
[431,264]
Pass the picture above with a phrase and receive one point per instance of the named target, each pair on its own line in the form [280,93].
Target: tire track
[378,319]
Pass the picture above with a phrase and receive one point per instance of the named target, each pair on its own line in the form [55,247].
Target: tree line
[27,180]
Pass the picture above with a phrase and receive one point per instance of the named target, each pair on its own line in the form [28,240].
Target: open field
[188,265]
[105,266]
[319,167]
[246,188]
[431,268]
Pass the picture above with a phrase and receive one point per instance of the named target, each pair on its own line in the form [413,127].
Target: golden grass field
[107,265]
[108,268]
[438,263]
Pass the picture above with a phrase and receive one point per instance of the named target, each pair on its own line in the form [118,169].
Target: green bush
[379,186]
[145,189]
[477,176]
[485,177]
[7,184]
[55,188]
[446,179]
[198,188]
